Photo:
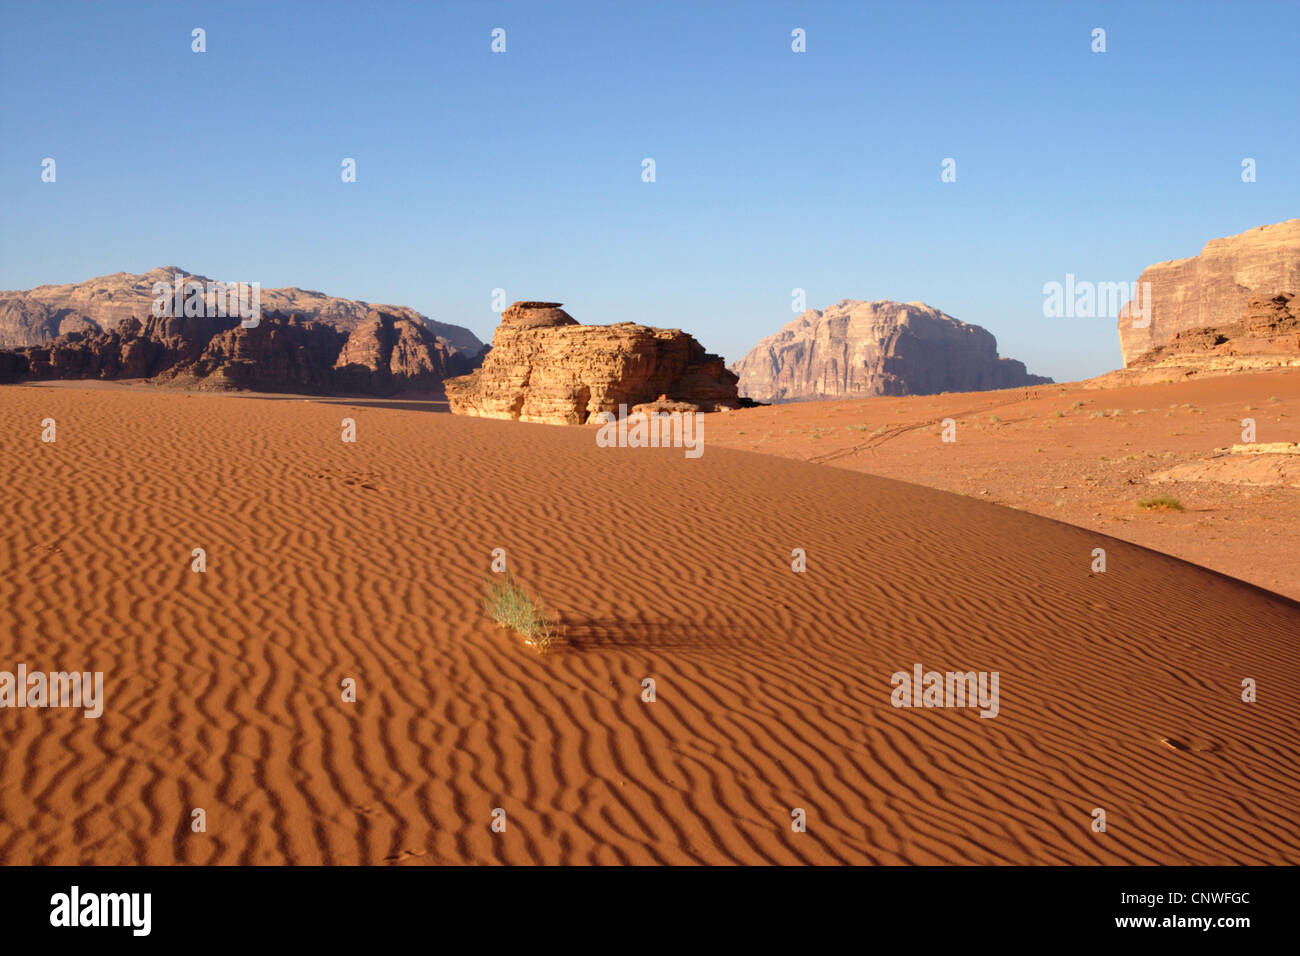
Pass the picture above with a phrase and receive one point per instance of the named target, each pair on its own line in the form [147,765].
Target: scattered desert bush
[513,606]
[1160,503]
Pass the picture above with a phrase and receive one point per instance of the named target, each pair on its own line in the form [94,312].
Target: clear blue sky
[775,170]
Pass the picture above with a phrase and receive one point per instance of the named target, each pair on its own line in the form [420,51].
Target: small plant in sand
[1160,503]
[513,606]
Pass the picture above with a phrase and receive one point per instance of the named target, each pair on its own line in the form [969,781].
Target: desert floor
[1075,454]
[329,561]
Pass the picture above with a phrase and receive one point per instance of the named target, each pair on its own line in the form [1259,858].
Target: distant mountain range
[38,316]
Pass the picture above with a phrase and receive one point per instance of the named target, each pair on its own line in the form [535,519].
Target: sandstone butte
[545,367]
[856,349]
[1214,288]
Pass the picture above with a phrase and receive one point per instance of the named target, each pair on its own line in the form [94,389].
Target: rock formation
[385,354]
[1266,336]
[856,349]
[1262,465]
[1214,287]
[545,367]
[37,316]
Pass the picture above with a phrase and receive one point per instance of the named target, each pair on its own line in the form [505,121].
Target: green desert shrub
[1160,503]
[513,606]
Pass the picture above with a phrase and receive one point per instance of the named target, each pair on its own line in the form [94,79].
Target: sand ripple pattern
[329,561]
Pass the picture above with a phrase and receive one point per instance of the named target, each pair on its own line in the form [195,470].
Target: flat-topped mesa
[1211,289]
[544,367]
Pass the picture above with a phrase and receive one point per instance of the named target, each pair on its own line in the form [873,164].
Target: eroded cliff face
[383,355]
[1213,288]
[1264,337]
[545,367]
[856,349]
[37,316]
[386,354]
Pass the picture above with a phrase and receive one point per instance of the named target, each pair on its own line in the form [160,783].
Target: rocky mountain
[383,355]
[855,349]
[36,316]
[1265,336]
[545,367]
[1214,287]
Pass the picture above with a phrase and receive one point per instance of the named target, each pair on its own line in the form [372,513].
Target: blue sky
[775,170]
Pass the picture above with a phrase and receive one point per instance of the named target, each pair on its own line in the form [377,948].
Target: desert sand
[1077,454]
[328,561]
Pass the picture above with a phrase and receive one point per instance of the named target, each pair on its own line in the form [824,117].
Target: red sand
[328,561]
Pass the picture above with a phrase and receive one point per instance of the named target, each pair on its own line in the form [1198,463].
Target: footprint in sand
[358,479]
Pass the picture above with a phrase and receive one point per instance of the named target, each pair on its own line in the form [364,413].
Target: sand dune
[1074,453]
[329,561]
